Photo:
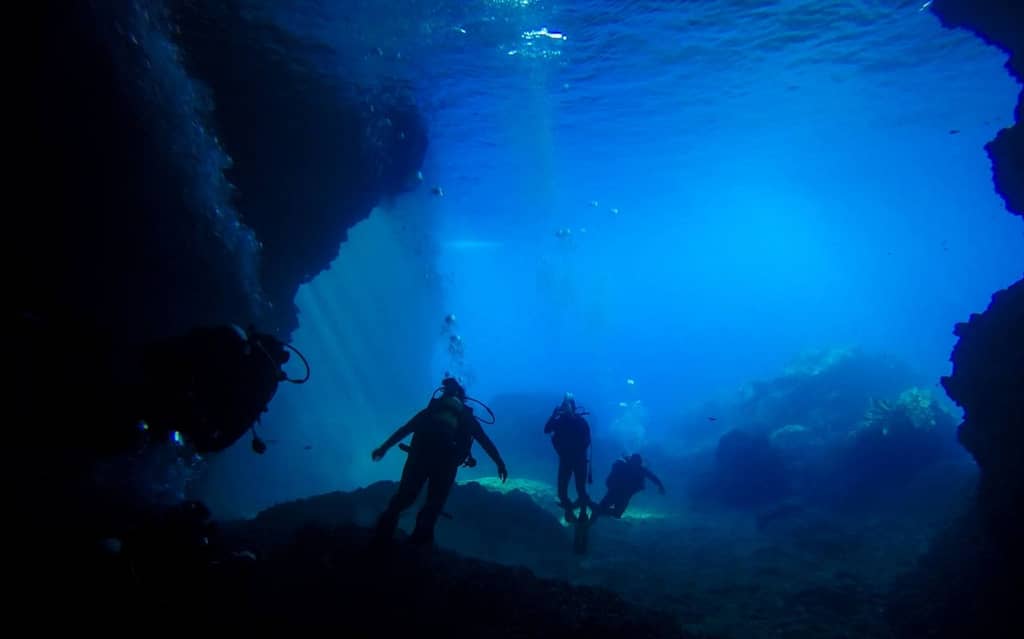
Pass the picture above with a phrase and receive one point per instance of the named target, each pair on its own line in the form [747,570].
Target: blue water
[742,181]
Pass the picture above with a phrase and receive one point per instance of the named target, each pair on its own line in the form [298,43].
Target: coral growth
[896,439]
[914,409]
[836,423]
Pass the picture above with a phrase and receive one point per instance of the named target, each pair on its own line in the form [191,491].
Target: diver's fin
[580,533]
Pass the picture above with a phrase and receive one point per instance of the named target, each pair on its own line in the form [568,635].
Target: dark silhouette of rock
[988,382]
[478,522]
[311,156]
[188,167]
[300,565]
[968,583]
[748,470]
[165,216]
[997,22]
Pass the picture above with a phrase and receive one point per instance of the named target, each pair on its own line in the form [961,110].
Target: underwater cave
[763,245]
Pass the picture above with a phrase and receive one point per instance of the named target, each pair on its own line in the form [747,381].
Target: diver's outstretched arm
[397,436]
[491,450]
[654,478]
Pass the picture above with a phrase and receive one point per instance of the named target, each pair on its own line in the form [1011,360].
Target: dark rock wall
[183,165]
[196,167]
[988,382]
[1000,23]
[965,584]
[311,157]
[988,361]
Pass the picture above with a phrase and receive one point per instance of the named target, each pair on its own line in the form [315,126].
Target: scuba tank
[447,412]
[211,385]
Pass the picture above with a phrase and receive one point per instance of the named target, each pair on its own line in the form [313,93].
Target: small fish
[438,191]
[954,131]
[615,211]
[712,419]
[307,447]
[593,203]
[631,381]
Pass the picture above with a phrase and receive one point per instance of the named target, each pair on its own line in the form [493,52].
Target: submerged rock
[748,470]
[968,584]
[988,382]
[298,565]
[896,439]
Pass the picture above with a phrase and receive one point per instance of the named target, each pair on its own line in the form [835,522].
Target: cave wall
[999,23]
[197,167]
[312,156]
[988,361]
[183,165]
[968,582]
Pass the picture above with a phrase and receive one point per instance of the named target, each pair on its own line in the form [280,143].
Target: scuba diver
[625,480]
[443,434]
[570,436]
[211,385]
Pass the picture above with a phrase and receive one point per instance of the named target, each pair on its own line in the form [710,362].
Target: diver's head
[452,388]
[569,404]
[636,460]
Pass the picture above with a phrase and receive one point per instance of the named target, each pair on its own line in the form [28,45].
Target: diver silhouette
[570,436]
[624,481]
[443,434]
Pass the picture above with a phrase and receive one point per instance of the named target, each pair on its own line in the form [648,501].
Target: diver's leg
[442,477]
[414,475]
[580,471]
[611,505]
[621,504]
[564,470]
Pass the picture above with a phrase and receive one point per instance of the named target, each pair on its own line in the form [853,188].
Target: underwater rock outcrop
[1000,23]
[333,150]
[190,166]
[748,470]
[826,391]
[293,566]
[988,374]
[897,439]
[988,382]
[477,522]
[160,130]
[836,425]
[988,360]
[968,582]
